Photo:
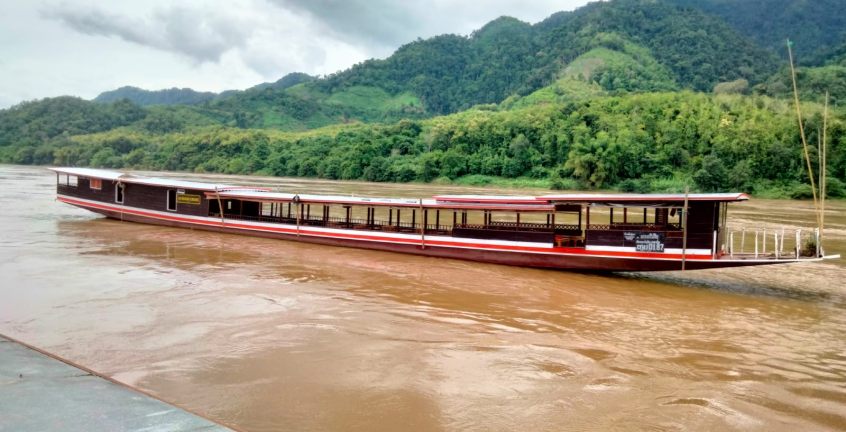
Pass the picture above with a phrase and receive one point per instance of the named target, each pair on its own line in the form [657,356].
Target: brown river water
[268,335]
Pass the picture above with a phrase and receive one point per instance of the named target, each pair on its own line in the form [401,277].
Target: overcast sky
[83,47]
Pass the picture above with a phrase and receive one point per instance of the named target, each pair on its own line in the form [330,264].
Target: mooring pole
[823,187]
[802,132]
[684,228]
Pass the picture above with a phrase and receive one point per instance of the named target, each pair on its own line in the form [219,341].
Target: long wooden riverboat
[604,232]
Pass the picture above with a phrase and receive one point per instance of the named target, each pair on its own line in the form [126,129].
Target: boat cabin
[612,222]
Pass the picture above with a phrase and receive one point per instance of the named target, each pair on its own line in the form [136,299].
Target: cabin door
[171,200]
[119,189]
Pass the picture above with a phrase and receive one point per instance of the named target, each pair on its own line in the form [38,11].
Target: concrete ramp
[39,392]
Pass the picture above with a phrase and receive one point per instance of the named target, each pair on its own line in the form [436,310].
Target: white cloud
[84,47]
[198,33]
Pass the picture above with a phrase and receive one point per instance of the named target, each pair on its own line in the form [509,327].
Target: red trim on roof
[481,199]
[611,198]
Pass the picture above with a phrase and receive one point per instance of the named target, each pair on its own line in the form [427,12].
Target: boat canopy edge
[492,202]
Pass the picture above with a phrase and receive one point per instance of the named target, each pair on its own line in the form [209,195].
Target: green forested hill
[628,94]
[699,50]
[813,25]
[624,46]
[506,57]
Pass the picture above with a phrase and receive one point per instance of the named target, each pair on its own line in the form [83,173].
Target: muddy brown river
[268,335]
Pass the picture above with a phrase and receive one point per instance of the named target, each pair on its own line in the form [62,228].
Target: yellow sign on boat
[188,199]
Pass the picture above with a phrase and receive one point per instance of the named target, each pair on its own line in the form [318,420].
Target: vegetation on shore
[639,143]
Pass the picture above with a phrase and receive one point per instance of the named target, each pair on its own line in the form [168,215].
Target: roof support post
[714,246]
[219,205]
[299,212]
[423,225]
[349,209]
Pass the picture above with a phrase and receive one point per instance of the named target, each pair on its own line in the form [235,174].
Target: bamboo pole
[802,131]
[823,186]
[684,234]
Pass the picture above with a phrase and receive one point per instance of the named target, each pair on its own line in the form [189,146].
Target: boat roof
[651,198]
[592,198]
[153,181]
[486,202]
[89,172]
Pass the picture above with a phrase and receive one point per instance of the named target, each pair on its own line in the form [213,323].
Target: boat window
[171,200]
[268,209]
[72,181]
[119,193]
[96,184]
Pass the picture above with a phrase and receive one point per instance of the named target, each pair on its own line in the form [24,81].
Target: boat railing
[523,226]
[773,243]
[634,227]
[342,222]
[409,227]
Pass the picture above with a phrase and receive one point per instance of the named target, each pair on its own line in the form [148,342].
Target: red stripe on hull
[557,258]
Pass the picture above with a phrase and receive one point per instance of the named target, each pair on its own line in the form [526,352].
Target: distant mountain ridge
[172,96]
[187,96]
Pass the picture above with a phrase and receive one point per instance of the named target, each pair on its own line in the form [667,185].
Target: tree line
[640,142]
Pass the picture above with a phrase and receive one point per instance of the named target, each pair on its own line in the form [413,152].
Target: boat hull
[525,256]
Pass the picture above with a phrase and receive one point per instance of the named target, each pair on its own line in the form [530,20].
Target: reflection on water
[269,335]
